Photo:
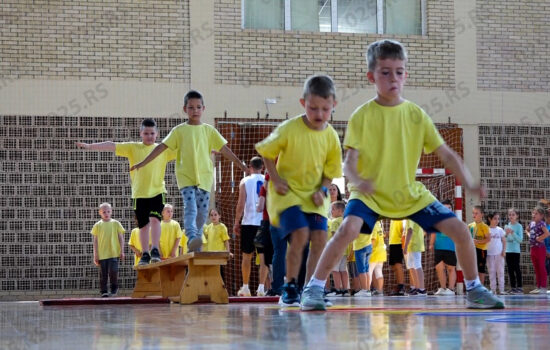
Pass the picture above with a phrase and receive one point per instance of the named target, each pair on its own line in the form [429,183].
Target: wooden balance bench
[169,278]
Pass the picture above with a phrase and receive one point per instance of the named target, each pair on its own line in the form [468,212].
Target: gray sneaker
[194,244]
[481,298]
[313,299]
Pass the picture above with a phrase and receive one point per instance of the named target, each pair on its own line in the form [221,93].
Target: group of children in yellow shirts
[302,156]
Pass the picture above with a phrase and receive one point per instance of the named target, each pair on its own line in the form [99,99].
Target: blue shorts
[427,218]
[293,218]
[362,259]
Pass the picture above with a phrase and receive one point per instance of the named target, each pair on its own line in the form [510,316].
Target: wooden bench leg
[172,277]
[147,283]
[203,280]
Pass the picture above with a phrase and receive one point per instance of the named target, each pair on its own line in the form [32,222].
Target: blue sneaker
[481,298]
[155,255]
[194,244]
[290,296]
[313,299]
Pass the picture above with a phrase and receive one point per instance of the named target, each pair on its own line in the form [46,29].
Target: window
[344,16]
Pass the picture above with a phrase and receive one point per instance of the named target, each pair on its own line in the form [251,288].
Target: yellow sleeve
[224,235]
[216,140]
[432,138]
[333,164]
[272,145]
[352,138]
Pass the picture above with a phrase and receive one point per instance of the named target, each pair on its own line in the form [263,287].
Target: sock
[245,286]
[260,287]
[315,282]
[471,284]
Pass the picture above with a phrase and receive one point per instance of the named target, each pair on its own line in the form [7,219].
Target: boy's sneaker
[145,259]
[377,293]
[413,292]
[363,293]
[328,303]
[344,293]
[260,293]
[332,293]
[503,292]
[155,255]
[272,293]
[440,291]
[421,292]
[399,293]
[244,292]
[114,293]
[313,299]
[290,296]
[194,244]
[448,291]
[543,291]
[534,291]
[481,298]
[105,295]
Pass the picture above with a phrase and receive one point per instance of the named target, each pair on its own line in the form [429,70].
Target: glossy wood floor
[352,323]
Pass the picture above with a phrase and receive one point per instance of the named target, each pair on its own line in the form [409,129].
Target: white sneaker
[441,291]
[535,291]
[260,293]
[244,292]
[448,291]
[543,291]
[363,293]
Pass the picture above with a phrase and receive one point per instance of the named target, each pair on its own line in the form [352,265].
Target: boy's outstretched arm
[228,153]
[100,146]
[154,153]
[452,161]
[280,184]
[351,173]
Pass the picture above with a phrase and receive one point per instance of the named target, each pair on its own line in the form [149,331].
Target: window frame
[334,17]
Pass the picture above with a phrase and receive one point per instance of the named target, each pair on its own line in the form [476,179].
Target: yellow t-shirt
[362,241]
[378,246]
[390,141]
[148,181]
[193,144]
[108,245]
[184,239]
[396,231]
[333,225]
[216,235]
[318,154]
[169,233]
[135,241]
[416,244]
[480,231]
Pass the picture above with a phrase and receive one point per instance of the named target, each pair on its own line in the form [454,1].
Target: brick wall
[275,57]
[64,39]
[512,49]
[49,195]
[514,166]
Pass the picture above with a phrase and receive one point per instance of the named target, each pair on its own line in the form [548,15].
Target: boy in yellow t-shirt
[482,236]
[414,246]
[193,142]
[135,245]
[362,249]
[309,157]
[377,259]
[170,234]
[148,189]
[108,248]
[385,139]
[340,271]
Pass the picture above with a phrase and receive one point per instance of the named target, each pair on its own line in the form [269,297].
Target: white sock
[245,286]
[260,287]
[471,284]
[315,282]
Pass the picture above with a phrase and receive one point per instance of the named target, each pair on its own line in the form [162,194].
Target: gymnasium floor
[353,323]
